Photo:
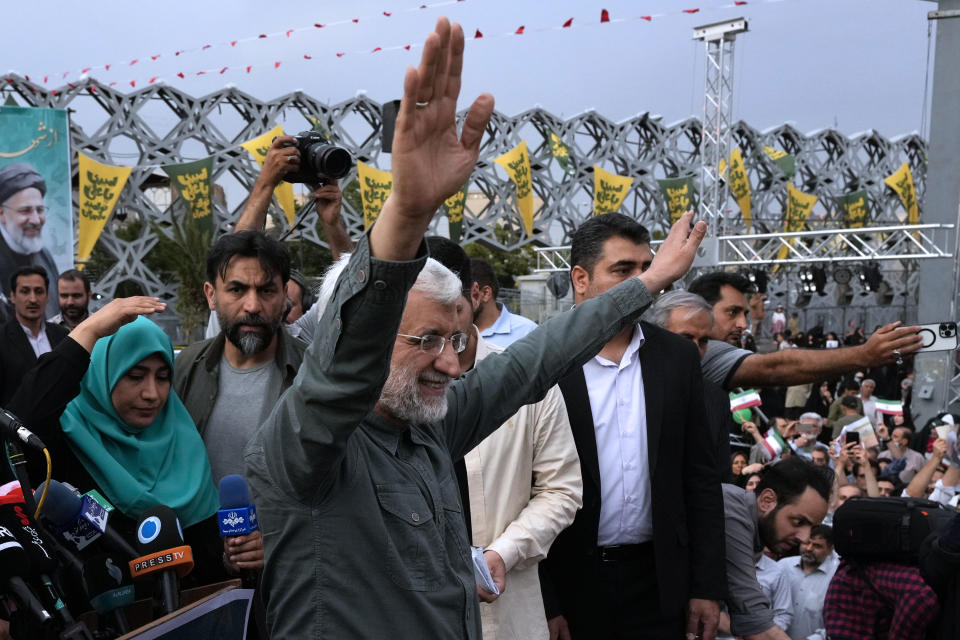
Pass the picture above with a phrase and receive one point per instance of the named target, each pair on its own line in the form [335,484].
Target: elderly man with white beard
[22,216]
[355,489]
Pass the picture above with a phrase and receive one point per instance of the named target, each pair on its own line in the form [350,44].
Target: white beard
[401,397]
[19,242]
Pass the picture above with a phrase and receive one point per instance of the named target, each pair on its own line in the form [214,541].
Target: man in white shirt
[644,557]
[26,336]
[810,574]
[497,325]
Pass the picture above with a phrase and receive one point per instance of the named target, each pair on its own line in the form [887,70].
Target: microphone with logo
[106,578]
[237,516]
[162,554]
[14,565]
[43,564]
[80,520]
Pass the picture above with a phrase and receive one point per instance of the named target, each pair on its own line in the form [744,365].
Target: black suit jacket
[685,483]
[17,357]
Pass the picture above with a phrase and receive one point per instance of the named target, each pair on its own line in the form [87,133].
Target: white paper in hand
[482,572]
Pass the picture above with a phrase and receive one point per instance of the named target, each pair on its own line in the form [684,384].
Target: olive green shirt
[361,518]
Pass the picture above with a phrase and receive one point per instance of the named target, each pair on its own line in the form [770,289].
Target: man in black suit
[644,557]
[26,336]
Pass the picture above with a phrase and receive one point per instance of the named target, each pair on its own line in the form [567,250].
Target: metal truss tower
[718,38]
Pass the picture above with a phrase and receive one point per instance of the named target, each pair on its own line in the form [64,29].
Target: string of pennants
[146,60]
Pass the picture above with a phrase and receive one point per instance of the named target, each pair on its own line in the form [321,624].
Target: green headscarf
[165,463]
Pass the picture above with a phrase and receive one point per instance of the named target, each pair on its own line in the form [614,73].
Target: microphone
[13,564]
[80,520]
[237,516]
[106,578]
[162,552]
[42,564]
[12,428]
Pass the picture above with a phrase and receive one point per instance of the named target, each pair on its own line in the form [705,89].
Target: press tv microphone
[13,565]
[12,428]
[80,520]
[162,553]
[106,579]
[237,515]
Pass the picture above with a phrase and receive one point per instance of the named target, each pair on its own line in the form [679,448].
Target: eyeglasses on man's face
[433,343]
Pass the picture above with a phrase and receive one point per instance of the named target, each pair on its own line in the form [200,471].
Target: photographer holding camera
[283,162]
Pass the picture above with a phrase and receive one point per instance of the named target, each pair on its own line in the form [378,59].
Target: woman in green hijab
[102,403]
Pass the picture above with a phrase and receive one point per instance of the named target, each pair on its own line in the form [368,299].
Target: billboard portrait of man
[35,214]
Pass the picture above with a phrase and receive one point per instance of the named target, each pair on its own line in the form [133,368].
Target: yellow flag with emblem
[902,182]
[609,190]
[516,163]
[258,148]
[375,186]
[799,208]
[100,187]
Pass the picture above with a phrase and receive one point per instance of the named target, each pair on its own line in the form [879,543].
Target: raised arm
[282,158]
[343,371]
[800,366]
[500,384]
[918,486]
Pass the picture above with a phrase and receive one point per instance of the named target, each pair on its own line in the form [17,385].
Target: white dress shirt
[620,422]
[40,343]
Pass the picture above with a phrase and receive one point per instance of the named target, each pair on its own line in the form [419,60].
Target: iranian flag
[894,407]
[774,443]
[744,400]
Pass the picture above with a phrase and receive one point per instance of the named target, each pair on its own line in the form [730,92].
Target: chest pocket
[413,549]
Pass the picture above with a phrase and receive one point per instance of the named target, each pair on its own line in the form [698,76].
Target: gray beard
[401,398]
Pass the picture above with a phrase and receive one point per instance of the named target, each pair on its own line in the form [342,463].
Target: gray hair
[659,313]
[811,415]
[435,281]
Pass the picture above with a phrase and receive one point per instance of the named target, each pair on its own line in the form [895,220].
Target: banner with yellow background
[799,208]
[902,182]
[609,190]
[100,187]
[516,163]
[258,148]
[375,186]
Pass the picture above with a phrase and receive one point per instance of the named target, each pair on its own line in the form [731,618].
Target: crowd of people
[426,464]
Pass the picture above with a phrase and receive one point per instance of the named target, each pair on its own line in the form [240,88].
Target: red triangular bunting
[407,47]
[375,49]
[153,79]
[262,35]
[387,13]
[276,65]
[155,57]
[604,15]
[691,10]
[318,25]
[519,31]
[356,20]
[289,31]
[568,23]
[133,62]
[249,67]
[478,34]
[340,54]
[306,57]
[233,43]
[133,83]
[85,69]
[647,18]
[181,75]
[223,70]
[203,48]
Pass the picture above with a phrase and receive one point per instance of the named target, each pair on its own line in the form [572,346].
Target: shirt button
[362,276]
[379,285]
[415,516]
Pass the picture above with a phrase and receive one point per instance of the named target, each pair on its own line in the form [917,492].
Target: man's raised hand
[430,161]
[675,255]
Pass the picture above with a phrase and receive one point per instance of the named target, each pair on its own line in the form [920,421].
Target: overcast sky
[854,64]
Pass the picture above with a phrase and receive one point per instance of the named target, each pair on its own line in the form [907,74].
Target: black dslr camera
[319,160]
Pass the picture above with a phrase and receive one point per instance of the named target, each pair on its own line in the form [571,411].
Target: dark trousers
[623,602]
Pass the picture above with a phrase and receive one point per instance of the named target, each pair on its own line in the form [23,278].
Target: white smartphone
[940,336]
